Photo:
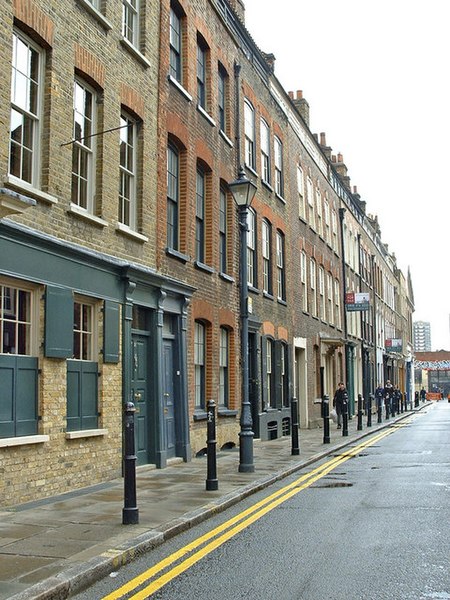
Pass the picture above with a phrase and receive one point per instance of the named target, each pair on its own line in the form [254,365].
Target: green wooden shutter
[58,322]
[73,395]
[7,377]
[82,395]
[26,395]
[111,332]
[18,396]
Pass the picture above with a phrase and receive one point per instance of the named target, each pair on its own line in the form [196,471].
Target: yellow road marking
[234,526]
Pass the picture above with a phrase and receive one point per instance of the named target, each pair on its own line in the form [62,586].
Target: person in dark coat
[340,396]
[389,395]
[423,394]
[379,396]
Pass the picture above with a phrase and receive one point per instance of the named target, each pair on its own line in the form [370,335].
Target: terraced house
[125,122]
[80,295]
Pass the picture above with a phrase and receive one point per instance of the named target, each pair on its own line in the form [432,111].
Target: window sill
[281,301]
[200,415]
[24,440]
[206,115]
[179,87]
[84,214]
[267,185]
[85,433]
[268,296]
[226,138]
[252,289]
[184,258]
[23,186]
[222,411]
[96,14]
[252,170]
[280,197]
[13,203]
[226,277]
[120,227]
[135,52]
[202,267]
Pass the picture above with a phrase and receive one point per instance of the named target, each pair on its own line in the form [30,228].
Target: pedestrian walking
[423,394]
[340,396]
[379,395]
[388,395]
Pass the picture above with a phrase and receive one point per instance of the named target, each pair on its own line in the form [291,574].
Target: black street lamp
[243,191]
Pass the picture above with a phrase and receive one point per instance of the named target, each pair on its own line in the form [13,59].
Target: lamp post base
[246,464]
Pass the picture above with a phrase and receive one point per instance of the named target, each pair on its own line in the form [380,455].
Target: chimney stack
[342,171]
[301,105]
[323,144]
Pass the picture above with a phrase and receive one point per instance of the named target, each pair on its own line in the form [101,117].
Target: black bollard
[369,410]
[380,409]
[212,483]
[295,448]
[360,412]
[130,512]
[345,415]
[326,419]
[416,399]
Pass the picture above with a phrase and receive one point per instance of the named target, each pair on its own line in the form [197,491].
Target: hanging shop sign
[357,301]
[393,344]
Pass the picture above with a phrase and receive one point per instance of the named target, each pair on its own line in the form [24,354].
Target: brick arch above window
[89,67]
[132,101]
[34,22]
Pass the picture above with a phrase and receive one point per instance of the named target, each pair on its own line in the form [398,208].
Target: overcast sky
[376,77]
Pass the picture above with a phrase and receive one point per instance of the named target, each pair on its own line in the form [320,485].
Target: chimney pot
[340,158]
[299,94]
[323,140]
[291,95]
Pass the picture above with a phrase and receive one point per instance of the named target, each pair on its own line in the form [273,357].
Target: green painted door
[169,398]
[140,396]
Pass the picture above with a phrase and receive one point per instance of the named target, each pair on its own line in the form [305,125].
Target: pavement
[53,548]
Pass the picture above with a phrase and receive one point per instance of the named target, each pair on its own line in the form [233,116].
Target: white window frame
[10,315]
[130,21]
[330,299]
[128,176]
[337,303]
[249,134]
[176,46]
[323,315]
[301,192]
[200,364]
[85,145]
[312,285]
[278,158]
[319,211]
[304,280]
[89,333]
[264,134]
[310,195]
[281,273]
[265,243]
[251,247]
[19,99]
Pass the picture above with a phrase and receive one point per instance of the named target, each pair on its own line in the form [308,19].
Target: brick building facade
[119,242]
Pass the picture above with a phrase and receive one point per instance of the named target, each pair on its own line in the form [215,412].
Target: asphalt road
[370,523]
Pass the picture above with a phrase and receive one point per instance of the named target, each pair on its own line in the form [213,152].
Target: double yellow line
[186,557]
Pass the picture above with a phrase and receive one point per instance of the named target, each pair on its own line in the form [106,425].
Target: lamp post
[243,191]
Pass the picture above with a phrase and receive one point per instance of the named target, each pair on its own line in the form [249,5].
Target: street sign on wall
[357,301]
